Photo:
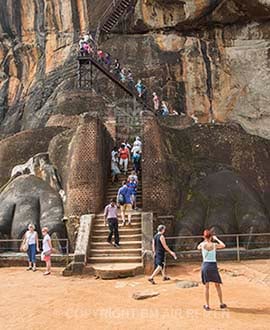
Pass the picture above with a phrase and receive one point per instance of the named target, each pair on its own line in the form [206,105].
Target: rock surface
[144,295]
[184,284]
[208,57]
[207,175]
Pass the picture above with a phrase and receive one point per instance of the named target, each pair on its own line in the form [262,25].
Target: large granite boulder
[20,147]
[223,201]
[28,199]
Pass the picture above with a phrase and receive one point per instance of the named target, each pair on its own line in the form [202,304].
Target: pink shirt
[156,102]
[110,212]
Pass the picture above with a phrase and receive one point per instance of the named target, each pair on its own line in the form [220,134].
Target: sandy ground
[31,301]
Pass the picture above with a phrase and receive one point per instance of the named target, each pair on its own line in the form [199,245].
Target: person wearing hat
[159,247]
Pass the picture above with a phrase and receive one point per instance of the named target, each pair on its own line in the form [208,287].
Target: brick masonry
[156,186]
[87,181]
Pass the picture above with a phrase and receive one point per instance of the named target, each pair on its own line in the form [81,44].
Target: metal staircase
[112,14]
[86,64]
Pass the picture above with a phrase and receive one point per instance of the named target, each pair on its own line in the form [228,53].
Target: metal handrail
[221,235]
[114,4]
[102,68]
[236,237]
[64,250]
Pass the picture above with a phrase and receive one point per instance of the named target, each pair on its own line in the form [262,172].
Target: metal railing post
[237,248]
[67,252]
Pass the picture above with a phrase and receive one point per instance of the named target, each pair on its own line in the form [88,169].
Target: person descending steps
[124,199]
[110,218]
[124,157]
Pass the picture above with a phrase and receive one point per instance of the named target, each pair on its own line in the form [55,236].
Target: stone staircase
[106,261]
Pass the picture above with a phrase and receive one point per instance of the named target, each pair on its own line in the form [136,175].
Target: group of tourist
[88,47]
[30,244]
[126,199]
[120,158]
[209,270]
[126,196]
[161,108]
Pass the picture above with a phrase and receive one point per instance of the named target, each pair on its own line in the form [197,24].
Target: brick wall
[89,168]
[155,183]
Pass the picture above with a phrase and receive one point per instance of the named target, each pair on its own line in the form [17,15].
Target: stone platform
[114,271]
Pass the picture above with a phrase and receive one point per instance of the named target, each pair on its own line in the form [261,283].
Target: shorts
[160,261]
[126,208]
[47,258]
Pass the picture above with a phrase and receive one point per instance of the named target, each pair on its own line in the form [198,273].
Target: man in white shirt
[110,217]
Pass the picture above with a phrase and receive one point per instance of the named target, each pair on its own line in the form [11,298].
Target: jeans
[113,227]
[32,253]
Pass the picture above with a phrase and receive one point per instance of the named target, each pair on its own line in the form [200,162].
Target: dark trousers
[113,227]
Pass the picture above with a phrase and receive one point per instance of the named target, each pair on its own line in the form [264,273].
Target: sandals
[166,278]
[222,306]
[206,307]
[151,280]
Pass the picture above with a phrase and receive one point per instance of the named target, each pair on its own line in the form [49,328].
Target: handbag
[24,246]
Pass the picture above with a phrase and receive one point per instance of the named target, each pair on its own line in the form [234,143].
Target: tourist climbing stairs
[104,259]
[92,60]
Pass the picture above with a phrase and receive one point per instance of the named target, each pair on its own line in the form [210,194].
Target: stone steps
[107,261]
[115,259]
[124,245]
[124,238]
[100,225]
[135,215]
[121,230]
[116,252]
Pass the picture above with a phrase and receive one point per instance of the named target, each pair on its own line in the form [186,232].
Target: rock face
[208,176]
[223,201]
[208,57]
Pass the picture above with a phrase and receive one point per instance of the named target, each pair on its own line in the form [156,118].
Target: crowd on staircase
[126,195]
[88,47]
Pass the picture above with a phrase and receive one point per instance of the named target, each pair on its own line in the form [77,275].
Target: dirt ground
[31,301]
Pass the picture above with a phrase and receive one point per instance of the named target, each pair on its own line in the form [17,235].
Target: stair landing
[114,270]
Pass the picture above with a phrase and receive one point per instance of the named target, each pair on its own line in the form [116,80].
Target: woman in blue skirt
[209,270]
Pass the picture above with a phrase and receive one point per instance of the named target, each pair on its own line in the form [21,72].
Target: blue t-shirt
[126,192]
[133,186]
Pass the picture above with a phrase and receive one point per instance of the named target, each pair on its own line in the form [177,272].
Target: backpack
[121,199]
[136,158]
